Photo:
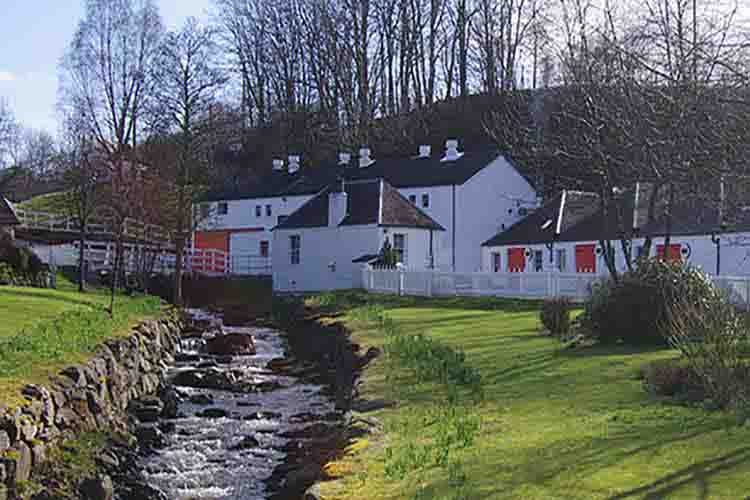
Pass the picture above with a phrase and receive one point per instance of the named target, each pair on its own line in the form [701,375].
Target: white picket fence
[576,286]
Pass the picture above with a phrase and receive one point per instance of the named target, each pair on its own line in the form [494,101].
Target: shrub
[636,308]
[672,377]
[20,266]
[713,340]
[555,316]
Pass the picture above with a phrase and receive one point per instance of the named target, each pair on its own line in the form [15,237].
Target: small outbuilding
[324,244]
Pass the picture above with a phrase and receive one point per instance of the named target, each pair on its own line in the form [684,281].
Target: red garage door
[516,260]
[675,252]
[586,258]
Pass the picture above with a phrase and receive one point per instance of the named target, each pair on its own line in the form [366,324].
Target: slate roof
[583,219]
[7,214]
[558,216]
[368,202]
[399,172]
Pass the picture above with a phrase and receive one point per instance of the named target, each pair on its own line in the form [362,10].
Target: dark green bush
[20,266]
[555,316]
[636,309]
[672,377]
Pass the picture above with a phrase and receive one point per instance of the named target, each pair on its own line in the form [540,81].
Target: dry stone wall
[91,396]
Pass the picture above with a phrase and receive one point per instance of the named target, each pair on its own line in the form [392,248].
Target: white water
[197,462]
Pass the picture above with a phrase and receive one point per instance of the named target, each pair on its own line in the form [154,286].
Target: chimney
[278,164]
[424,151]
[345,158]
[337,204]
[451,150]
[364,158]
[293,163]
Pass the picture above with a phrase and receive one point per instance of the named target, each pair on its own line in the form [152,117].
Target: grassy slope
[556,424]
[52,202]
[42,330]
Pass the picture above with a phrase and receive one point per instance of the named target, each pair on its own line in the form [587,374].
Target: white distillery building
[471,194]
[324,244]
[564,235]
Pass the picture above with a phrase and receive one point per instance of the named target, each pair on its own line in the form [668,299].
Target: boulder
[97,488]
[245,443]
[23,462]
[170,400]
[230,344]
[201,399]
[213,413]
[149,436]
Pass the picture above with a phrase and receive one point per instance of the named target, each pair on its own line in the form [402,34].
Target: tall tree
[107,79]
[187,82]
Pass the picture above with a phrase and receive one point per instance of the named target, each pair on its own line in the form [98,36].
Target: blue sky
[35,34]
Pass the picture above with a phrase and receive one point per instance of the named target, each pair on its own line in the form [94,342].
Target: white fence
[512,285]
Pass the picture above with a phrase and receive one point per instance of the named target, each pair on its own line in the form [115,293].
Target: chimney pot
[425,151]
[344,158]
[451,150]
[293,163]
[364,158]
[278,164]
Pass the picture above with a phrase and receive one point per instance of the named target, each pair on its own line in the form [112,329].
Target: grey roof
[368,202]
[399,172]
[7,214]
[694,212]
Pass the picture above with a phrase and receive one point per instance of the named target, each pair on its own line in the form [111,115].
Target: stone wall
[92,396]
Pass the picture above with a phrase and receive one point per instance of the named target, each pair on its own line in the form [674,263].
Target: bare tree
[106,77]
[188,79]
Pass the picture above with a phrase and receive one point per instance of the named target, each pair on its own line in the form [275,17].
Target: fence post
[400,281]
[429,275]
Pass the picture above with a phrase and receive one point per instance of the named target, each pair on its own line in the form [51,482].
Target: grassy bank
[553,424]
[42,331]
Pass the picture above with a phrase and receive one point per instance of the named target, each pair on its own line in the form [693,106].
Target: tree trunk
[82,258]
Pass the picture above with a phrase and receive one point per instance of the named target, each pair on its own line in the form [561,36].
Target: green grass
[44,330]
[55,203]
[555,424]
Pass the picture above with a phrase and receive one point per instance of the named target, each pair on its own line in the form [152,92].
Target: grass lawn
[42,331]
[555,424]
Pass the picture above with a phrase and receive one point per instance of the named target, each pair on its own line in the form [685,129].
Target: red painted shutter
[516,260]
[586,258]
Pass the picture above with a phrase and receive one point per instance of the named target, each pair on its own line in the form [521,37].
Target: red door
[516,260]
[586,258]
[675,252]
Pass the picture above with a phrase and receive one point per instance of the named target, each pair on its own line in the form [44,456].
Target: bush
[713,340]
[20,266]
[555,316]
[672,377]
[636,309]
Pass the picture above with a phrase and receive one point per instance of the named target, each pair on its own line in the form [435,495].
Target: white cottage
[322,246]
[472,194]
[564,235]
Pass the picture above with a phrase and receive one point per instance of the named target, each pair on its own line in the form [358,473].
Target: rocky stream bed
[249,413]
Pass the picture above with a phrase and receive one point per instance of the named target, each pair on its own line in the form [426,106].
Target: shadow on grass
[609,350]
[697,474]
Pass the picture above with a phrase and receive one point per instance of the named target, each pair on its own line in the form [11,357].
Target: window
[399,248]
[413,198]
[562,264]
[538,260]
[496,262]
[281,218]
[294,247]
[223,208]
[425,200]
[258,209]
[264,249]
[268,210]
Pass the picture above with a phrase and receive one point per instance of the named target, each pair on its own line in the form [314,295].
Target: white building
[323,245]
[564,235]
[472,194]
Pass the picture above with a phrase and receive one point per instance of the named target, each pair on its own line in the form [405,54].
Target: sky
[35,35]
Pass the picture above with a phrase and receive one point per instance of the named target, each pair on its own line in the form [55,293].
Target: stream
[225,443]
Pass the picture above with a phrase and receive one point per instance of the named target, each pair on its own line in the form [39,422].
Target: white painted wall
[321,247]
[735,254]
[241,213]
[417,245]
[486,204]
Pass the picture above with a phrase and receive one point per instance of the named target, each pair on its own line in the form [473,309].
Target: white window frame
[269,211]
[402,255]
[538,260]
[258,210]
[496,262]
[425,200]
[294,250]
